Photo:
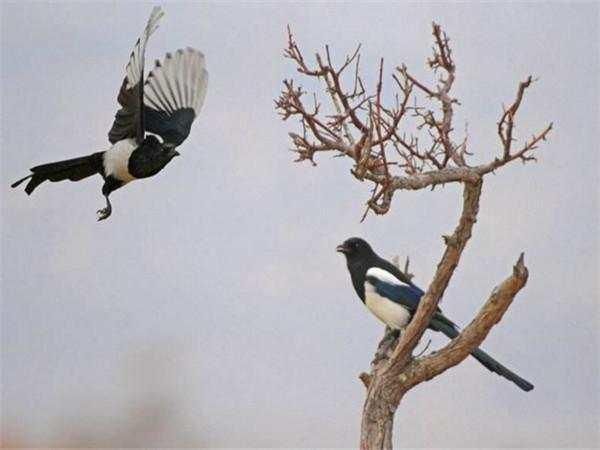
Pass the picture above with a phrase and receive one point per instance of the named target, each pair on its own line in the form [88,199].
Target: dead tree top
[368,131]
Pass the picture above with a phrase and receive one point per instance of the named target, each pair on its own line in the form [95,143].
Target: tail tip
[526,386]
[18,182]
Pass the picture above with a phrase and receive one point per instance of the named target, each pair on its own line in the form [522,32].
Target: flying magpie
[393,298]
[164,104]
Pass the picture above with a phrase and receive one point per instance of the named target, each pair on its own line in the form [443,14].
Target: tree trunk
[378,415]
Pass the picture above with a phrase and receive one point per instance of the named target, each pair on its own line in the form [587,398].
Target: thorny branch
[363,127]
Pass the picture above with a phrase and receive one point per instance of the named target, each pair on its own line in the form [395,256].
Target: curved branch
[455,244]
[467,174]
[473,335]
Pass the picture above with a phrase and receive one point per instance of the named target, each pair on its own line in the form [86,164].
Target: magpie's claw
[103,213]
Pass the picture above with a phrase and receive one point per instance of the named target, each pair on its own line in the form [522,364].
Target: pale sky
[212,310]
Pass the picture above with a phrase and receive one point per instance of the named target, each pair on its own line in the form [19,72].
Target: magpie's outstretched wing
[174,93]
[129,120]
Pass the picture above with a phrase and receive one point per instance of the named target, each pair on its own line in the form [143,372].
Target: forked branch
[423,369]
[355,122]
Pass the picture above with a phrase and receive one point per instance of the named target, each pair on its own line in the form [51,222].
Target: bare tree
[361,126]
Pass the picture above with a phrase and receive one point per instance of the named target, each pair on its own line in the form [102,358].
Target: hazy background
[211,309]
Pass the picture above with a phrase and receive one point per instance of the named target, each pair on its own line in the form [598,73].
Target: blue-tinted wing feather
[403,294]
[407,295]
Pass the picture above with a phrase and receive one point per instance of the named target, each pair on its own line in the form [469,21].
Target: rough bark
[455,244]
[378,414]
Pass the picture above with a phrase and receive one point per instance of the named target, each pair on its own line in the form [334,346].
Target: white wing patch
[179,82]
[116,160]
[135,66]
[392,314]
[384,275]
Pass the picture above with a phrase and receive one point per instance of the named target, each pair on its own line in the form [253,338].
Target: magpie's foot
[104,213]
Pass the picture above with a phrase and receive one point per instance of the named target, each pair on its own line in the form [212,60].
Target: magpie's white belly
[116,160]
[390,313]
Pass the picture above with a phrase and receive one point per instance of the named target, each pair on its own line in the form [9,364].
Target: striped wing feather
[129,120]
[174,93]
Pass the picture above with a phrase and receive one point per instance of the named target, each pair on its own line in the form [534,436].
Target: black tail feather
[491,364]
[71,169]
[442,324]
[16,183]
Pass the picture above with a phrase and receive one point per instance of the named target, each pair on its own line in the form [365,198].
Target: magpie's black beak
[175,153]
[342,249]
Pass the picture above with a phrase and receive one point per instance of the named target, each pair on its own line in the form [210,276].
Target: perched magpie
[393,298]
[165,104]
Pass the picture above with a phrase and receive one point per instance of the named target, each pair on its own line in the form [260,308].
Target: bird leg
[105,212]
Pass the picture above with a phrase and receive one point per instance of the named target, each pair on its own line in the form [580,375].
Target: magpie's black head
[359,258]
[356,249]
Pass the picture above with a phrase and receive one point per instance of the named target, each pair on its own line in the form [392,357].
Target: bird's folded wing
[129,120]
[390,287]
[174,93]
[408,295]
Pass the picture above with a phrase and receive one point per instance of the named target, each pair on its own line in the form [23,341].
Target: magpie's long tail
[443,324]
[71,169]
